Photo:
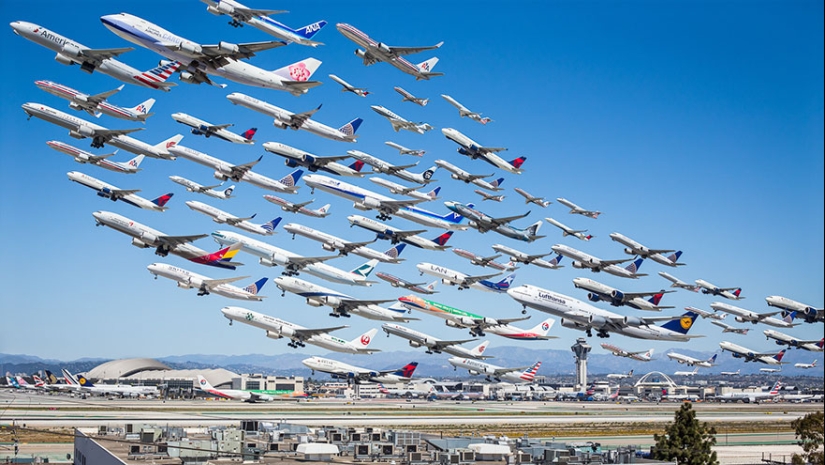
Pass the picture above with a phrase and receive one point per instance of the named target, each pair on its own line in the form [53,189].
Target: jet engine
[190,48]
[597,321]
[139,243]
[741,320]
[454,176]
[593,297]
[384,48]
[633,321]
[360,53]
[220,176]
[629,251]
[578,264]
[571,324]
[416,344]
[474,372]
[314,303]
[452,324]
[106,193]
[266,262]
[448,282]
[273,335]
[63,59]
[618,296]
[290,162]
[186,76]
[82,132]
[307,158]
[70,50]
[279,124]
[185,284]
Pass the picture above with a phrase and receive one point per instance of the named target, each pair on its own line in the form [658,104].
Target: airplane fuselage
[283,118]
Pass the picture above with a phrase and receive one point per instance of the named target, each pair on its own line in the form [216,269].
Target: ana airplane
[374,52]
[568,231]
[395,235]
[583,260]
[294,157]
[404,150]
[205,285]
[686,373]
[495,372]
[521,257]
[83,157]
[478,260]
[575,209]
[805,365]
[192,186]
[708,288]
[676,282]
[408,97]
[629,374]
[811,313]
[742,315]
[221,217]
[419,288]
[750,397]
[634,248]
[70,52]
[113,193]
[483,222]
[769,358]
[691,361]
[347,87]
[486,196]
[400,171]
[234,394]
[96,105]
[528,199]
[298,335]
[812,345]
[641,356]
[290,207]
[357,375]
[475,150]
[726,328]
[464,111]
[599,292]
[451,277]
[259,19]
[203,128]
[398,189]
[435,345]
[477,179]
[399,122]
[333,243]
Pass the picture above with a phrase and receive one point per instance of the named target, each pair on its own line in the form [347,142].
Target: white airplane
[341,304]
[452,277]
[290,207]
[751,397]
[641,356]
[378,51]
[771,370]
[494,372]
[205,285]
[404,150]
[629,374]
[730,373]
[598,292]
[769,358]
[223,59]
[259,19]
[96,105]
[577,209]
[486,196]
[743,315]
[113,193]
[333,243]
[409,391]
[203,128]
[483,222]
[234,394]
[192,186]
[243,172]
[678,283]
[812,345]
[398,189]
[221,217]
[435,345]
[568,231]
[528,199]
[712,289]
[810,313]
[399,122]
[419,288]
[82,156]
[477,179]
[478,260]
[583,260]
[691,361]
[347,87]
[726,328]
[464,111]
[357,375]
[380,166]
[536,259]
[408,97]
[686,373]
[634,248]
[805,365]
[298,335]
[395,235]
[475,150]
[706,314]
[295,157]
[120,389]
[70,52]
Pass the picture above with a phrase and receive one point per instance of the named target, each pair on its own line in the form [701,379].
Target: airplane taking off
[234,394]
[399,122]
[790,341]
[202,128]
[221,217]
[295,157]
[290,207]
[575,209]
[404,150]
[380,166]
[486,196]
[347,87]
[521,257]
[810,313]
[333,243]
[528,199]
[395,281]
[494,372]
[378,51]
[113,193]
[691,361]
[478,260]
[70,52]
[357,375]
[568,231]
[205,285]
[706,314]
[483,222]
[634,248]
[451,277]
[82,156]
[408,97]
[475,150]
[259,19]
[96,105]
[641,356]
[395,235]
[464,111]
[583,260]
[805,365]
[712,289]
[477,179]
[398,189]
[770,358]
[742,315]
[726,328]
[676,282]
[192,186]
[435,345]
[598,292]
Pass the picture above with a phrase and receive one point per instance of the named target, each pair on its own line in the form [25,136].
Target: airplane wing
[507,219]
[396,168]
[652,251]
[762,316]
[97,158]
[613,262]
[442,344]
[396,204]
[206,188]
[504,371]
[236,220]
[120,193]
[238,51]
[473,177]
[305,261]
[218,282]
[298,119]
[402,234]
[240,170]
[218,127]
[492,149]
[101,54]
[490,258]
[329,159]
[98,98]
[349,304]
[350,246]
[474,279]
[306,333]
[110,133]
[401,51]
[633,295]
[173,241]
[298,206]
[507,321]
[296,87]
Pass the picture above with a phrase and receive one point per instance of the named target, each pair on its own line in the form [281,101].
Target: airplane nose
[15,25]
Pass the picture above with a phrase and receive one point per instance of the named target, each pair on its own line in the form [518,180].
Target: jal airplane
[568,231]
[483,222]
[691,361]
[475,150]
[395,235]
[478,260]
[464,111]
[290,207]
[404,150]
[234,394]
[743,315]
[528,199]
[205,285]
[641,356]
[374,52]
[398,189]
[418,288]
[811,313]
[598,292]
[408,97]
[790,341]
[113,193]
[298,335]
[678,283]
[399,122]
[221,217]
[70,52]
[434,345]
[260,19]
[203,128]
[494,372]
[96,105]
[192,186]
[536,259]
[575,209]
[769,358]
[477,179]
[358,375]
[333,243]
[805,365]
[726,328]
[347,87]
[634,248]
[83,157]
[400,171]
[583,260]
[712,289]
[294,157]
[486,196]
[451,277]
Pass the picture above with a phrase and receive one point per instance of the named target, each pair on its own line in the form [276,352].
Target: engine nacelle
[184,285]
[106,193]
[597,321]
[570,324]
[214,11]
[617,295]
[148,238]
[273,335]
[290,162]
[359,206]
[139,243]
[360,53]
[307,158]
[198,132]
[810,312]
[629,251]
[384,48]
[740,319]
[266,262]
[190,48]
[416,344]
[578,264]
[220,176]
[63,59]
[447,282]
[452,324]
[370,203]
[69,50]
[463,151]
[225,8]
[454,176]
[633,321]
[593,297]
[328,247]
[314,303]
[474,372]
[286,331]
[188,77]
[228,47]
[279,124]
[82,132]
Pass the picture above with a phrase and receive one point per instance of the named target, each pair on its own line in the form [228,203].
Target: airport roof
[124,367]
[143,369]
[217,377]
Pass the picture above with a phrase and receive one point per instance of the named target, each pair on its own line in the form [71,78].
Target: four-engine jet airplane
[70,52]
[192,186]
[712,289]
[399,122]
[298,335]
[478,260]
[205,285]
[295,157]
[347,87]
[475,150]
[380,166]
[395,281]
[742,315]
[641,356]
[583,260]
[358,375]
[568,231]
[404,150]
[408,97]
[691,361]
[234,394]
[290,207]
[203,128]
[435,345]
[108,191]
[477,179]
[82,156]
[333,243]
[790,341]
[600,292]
[686,373]
[96,105]
[464,111]
[398,189]
[120,389]
[221,217]
[495,372]
[634,248]
[769,358]
[575,209]
[374,52]
[395,235]
[451,277]
[259,19]
[811,313]
[486,196]
[678,283]
[726,328]
[528,199]
[805,365]
[483,222]
[223,59]
[521,257]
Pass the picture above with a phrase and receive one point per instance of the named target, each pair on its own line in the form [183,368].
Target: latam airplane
[260,19]
[374,52]
[83,157]
[113,193]
[475,150]
[357,375]
[205,285]
[452,277]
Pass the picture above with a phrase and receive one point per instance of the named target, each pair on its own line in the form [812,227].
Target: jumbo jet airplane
[483,222]
[398,189]
[347,87]
[96,105]
[475,150]
[83,157]
[452,277]
[464,111]
[358,375]
[203,128]
[333,243]
[211,191]
[418,288]
[812,345]
[478,260]
[743,315]
[599,292]
[691,361]
[206,285]
[726,328]
[221,217]
[298,335]
[477,179]
[678,283]
[583,260]
[811,313]
[575,209]
[769,358]
[712,289]
[404,150]
[634,248]
[686,373]
[408,97]
[290,207]
[374,52]
[494,372]
[805,365]
[641,356]
[259,19]
[486,196]
[568,231]
[395,235]
[380,166]
[234,394]
[435,345]
[70,52]
[223,59]
[517,256]
[528,199]
[113,193]
[398,122]
[294,157]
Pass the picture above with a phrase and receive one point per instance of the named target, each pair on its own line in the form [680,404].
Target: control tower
[581,349]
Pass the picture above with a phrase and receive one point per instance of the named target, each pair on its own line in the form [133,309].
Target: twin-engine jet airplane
[96,105]
[374,52]
[575,209]
[395,235]
[398,122]
[599,292]
[333,243]
[478,260]
[290,207]
[435,345]
[294,157]
[398,189]
[583,260]
[347,87]
[483,222]
[568,231]
[641,356]
[811,313]
[395,281]
[495,372]
[678,283]
[221,217]
[743,315]
[726,328]
[83,157]
[452,277]
[205,285]
[234,394]
[634,248]
[203,128]
[706,314]
[408,97]
[192,186]
[536,259]
[400,171]
[528,199]
[404,150]
[358,375]
[477,179]
[259,19]
[790,341]
[474,150]
[691,361]
[464,111]
[113,193]
[769,358]
[712,289]
[486,196]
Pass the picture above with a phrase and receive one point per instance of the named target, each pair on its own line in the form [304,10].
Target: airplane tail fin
[228,191]
[433,194]
[431,286]
[84,382]
[50,377]
[712,360]
[69,377]
[821,343]
[143,108]
[350,128]
[556,260]
[505,283]
[674,257]
[357,165]
[365,269]
[518,162]
[789,317]
[737,292]
[530,374]
[544,327]
[249,133]
[395,251]
[323,211]
[134,163]
[310,29]
[588,237]
[647,355]
[682,325]
[428,173]
[479,349]
[498,182]
[776,386]
[635,265]
[256,287]
[270,226]
[222,258]
[533,229]
[656,298]
[203,384]
[778,357]
[407,370]
[291,180]
[162,200]
[38,381]
[300,70]
[364,340]
[427,66]
[163,147]
[442,239]
[382,389]
[156,78]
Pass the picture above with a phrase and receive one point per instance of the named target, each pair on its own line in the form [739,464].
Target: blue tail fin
[255,287]
[161,201]
[433,194]
[555,261]
[350,128]
[453,217]
[498,182]
[84,382]
[291,180]
[683,324]
[310,29]
[505,283]
[634,267]
[395,252]
[674,257]
[713,359]
[442,239]
[270,227]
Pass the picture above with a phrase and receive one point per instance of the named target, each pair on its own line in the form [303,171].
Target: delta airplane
[96,105]
[478,260]
[474,150]
[234,394]
[70,52]
[599,292]
[395,235]
[742,315]
[629,374]
[203,128]
[400,171]
[259,19]
[192,186]
[404,150]
[341,304]
[805,365]
[399,122]
[750,397]
[726,328]
[298,335]
[477,179]
[583,260]
[435,345]
[333,243]
[690,361]
[221,217]
[678,283]
[290,207]
[294,157]
[347,87]
[113,193]
[464,111]
[811,313]
[686,373]
[451,277]
[790,341]
[205,285]
[223,59]
[769,358]
[374,52]
[398,189]
[575,209]
[395,281]
[408,97]
[634,248]
[568,231]
[641,356]
[536,259]
[243,172]
[712,289]
[83,157]
[357,375]
[483,222]
[516,375]
[286,119]
[528,199]
[486,196]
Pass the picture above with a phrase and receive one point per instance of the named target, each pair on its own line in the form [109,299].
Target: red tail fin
[249,133]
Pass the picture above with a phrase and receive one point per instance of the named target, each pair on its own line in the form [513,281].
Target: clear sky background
[691,126]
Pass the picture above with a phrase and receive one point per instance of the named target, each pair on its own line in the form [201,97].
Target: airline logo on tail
[292,178]
[433,194]
[683,324]
[350,128]
[530,373]
[656,298]
[269,227]
[674,257]
[255,287]
[249,133]
[442,239]
[737,292]
[394,252]
[358,164]
[534,229]
[365,269]
[518,162]
[407,370]
[299,72]
[155,76]
[778,357]
[161,201]
[776,387]
[634,267]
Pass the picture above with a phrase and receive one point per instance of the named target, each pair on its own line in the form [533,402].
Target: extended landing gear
[235,23]
[97,142]
[296,344]
[383,216]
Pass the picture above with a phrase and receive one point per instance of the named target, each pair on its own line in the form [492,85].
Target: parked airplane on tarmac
[478,260]
[96,105]
[769,358]
[742,315]
[641,356]
[380,166]
[568,231]
[404,150]
[615,297]
[726,328]
[627,375]
[475,150]
[812,345]
[750,397]
[676,282]
[395,235]
[494,372]
[398,122]
[418,288]
[203,128]
[192,186]
[290,207]
[528,199]
[119,389]
[374,52]
[398,189]
[805,365]
[575,209]
[358,375]
[294,157]
[408,97]
[205,285]
[691,361]
[583,260]
[333,243]
[435,345]
[221,217]
[536,259]
[811,313]
[234,394]
[483,222]
[113,193]
[477,179]
[464,111]
[259,19]
[83,157]
[347,87]
[712,289]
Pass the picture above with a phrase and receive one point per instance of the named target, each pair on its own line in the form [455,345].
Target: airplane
[203,128]
[205,285]
[333,243]
[243,172]
[146,237]
[70,52]
[712,289]
[284,119]
[399,122]
[464,111]
[223,59]
[676,282]
[536,259]
[120,389]
[114,193]
[259,19]
[634,248]
[408,97]
[404,150]
[528,199]
[374,52]
[726,328]
[342,305]
[357,375]
[477,179]
[500,286]
[435,345]
[400,171]
[478,260]
[395,281]
[486,196]
[398,189]
[599,292]
[742,315]
[290,207]
[294,157]
[451,277]
[494,372]
[395,235]
[221,217]
[706,314]
[568,231]
[234,394]
[811,313]
[770,370]
[347,87]
[475,150]
[691,361]
[408,391]
[641,356]
[81,156]
[298,335]
[629,374]
[769,358]
[730,373]
[192,186]
[483,222]
[686,373]
[805,365]
[750,397]
[96,105]
[579,315]
[790,341]
[583,260]
[575,209]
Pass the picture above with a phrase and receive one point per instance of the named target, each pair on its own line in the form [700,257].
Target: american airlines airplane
[575,209]
[205,285]
[750,397]
[583,260]
[113,193]
[769,358]
[221,217]
[400,171]
[812,345]
[192,186]
[678,283]
[378,51]
[811,313]
[598,292]
[641,356]
[477,179]
[475,150]
[435,345]
[294,157]
[398,122]
[358,375]
[333,243]
[568,231]
[494,372]
[408,97]
[83,157]
[634,248]
[517,256]
[395,235]
[712,289]
[203,128]
[96,105]
[692,361]
[404,150]
[464,111]
[478,260]
[743,315]
[290,207]
[347,87]
[259,19]
[398,189]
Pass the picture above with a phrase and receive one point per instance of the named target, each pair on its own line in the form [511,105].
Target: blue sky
[696,127]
